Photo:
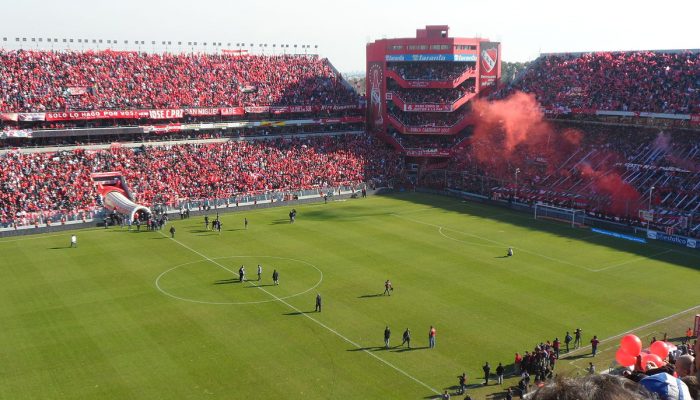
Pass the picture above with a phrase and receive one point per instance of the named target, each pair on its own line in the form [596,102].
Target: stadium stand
[40,186]
[640,81]
[590,175]
[37,81]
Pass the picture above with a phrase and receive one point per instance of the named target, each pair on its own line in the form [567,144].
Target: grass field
[131,315]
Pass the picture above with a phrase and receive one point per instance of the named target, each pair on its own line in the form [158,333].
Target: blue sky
[341,29]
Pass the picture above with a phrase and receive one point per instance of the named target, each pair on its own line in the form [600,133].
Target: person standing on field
[275,277]
[318,302]
[431,337]
[387,335]
[73,241]
[406,338]
[259,271]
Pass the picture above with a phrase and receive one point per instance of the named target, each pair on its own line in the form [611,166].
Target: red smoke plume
[512,133]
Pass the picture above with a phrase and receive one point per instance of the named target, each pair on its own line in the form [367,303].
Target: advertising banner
[680,240]
[431,57]
[31,117]
[427,107]
[427,153]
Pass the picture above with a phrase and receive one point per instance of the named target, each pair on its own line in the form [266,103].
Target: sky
[342,29]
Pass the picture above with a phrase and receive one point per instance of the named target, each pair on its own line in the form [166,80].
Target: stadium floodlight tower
[419,90]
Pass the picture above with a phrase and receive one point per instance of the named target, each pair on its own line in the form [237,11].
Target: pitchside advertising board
[680,240]
[489,64]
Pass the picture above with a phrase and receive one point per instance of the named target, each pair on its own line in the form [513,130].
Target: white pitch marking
[165,292]
[464,241]
[630,331]
[632,260]
[497,242]
[313,319]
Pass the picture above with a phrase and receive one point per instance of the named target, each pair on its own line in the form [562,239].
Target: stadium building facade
[419,90]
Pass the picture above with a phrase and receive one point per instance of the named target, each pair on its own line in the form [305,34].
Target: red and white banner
[9,116]
[695,119]
[168,113]
[202,112]
[232,111]
[97,114]
[77,90]
[489,65]
[257,109]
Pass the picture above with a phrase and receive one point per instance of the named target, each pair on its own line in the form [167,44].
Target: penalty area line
[319,323]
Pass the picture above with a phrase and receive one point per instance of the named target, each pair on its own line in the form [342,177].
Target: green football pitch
[138,315]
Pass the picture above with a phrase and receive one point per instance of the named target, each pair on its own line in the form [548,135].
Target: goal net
[571,216]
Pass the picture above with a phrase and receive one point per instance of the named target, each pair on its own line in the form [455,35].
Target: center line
[385,362]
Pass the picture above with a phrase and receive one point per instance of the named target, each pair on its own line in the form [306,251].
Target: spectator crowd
[643,81]
[38,81]
[37,184]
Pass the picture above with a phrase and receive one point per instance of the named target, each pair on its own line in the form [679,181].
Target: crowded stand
[435,96]
[430,71]
[39,81]
[642,81]
[37,186]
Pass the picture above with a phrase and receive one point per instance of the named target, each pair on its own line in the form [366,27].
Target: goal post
[573,216]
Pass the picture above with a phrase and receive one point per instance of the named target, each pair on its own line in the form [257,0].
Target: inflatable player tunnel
[116,195]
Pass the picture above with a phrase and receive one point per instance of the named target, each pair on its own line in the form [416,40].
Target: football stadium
[183,220]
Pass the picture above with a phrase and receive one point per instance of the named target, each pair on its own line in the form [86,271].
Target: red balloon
[623,358]
[652,358]
[659,348]
[631,345]
[671,347]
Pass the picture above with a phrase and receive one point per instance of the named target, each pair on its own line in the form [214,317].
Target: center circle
[215,280]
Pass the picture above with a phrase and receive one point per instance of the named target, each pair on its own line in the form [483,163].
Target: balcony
[430,130]
[429,107]
[430,84]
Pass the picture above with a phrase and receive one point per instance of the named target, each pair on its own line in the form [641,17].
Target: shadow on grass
[404,349]
[503,213]
[299,312]
[259,286]
[365,296]
[501,257]
[370,348]
[59,247]
[235,229]
[280,222]
[226,281]
[159,237]
[577,357]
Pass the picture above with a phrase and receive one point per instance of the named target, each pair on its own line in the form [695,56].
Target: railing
[431,84]
[430,106]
